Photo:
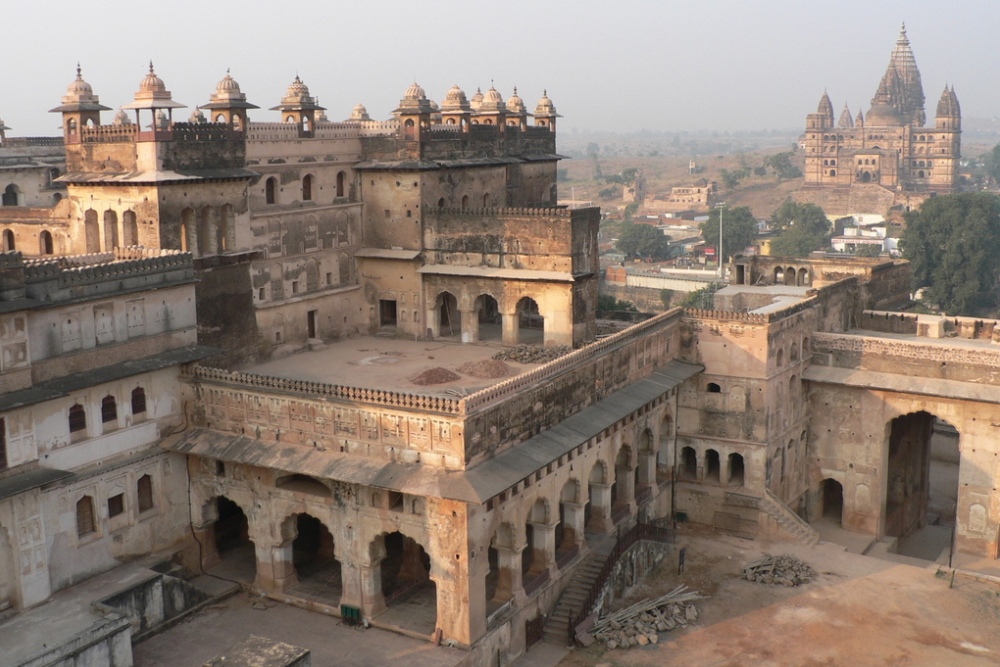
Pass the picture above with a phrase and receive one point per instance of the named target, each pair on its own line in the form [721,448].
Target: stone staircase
[788,521]
[557,623]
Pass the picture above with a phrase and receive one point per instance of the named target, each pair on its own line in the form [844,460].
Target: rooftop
[430,368]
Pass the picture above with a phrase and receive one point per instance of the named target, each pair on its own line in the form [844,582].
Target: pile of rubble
[435,376]
[641,623]
[781,570]
[532,354]
[488,369]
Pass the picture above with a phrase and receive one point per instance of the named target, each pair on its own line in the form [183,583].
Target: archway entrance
[832,493]
[409,592]
[921,484]
[316,567]
[489,318]
[530,323]
[237,558]
[449,317]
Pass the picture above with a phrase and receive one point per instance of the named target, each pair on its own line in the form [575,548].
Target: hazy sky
[609,65]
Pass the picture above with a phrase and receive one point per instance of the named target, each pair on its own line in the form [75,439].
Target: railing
[741,500]
[564,559]
[534,584]
[650,532]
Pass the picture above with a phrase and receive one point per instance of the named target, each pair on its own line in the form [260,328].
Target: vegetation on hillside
[739,230]
[801,229]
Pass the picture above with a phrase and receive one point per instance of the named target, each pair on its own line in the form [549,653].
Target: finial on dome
[79,73]
[151,66]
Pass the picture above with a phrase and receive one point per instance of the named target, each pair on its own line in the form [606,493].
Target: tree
[803,228]
[739,230]
[867,250]
[953,244]
[782,165]
[610,308]
[643,241]
[991,161]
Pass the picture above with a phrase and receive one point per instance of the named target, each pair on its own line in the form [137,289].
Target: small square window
[295,287]
[386,214]
[260,294]
[116,505]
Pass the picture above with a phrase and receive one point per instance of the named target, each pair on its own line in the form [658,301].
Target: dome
[515,104]
[79,88]
[297,89]
[477,100]
[545,108]
[227,85]
[153,94]
[492,101]
[121,118]
[152,83]
[414,92]
[359,113]
[455,100]
[297,98]
[882,115]
[197,116]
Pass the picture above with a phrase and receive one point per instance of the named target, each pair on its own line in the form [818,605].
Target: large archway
[237,559]
[449,317]
[832,494]
[409,593]
[921,484]
[313,558]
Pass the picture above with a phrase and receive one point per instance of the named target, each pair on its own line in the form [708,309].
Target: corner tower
[80,108]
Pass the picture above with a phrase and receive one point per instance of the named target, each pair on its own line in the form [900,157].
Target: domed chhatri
[359,113]
[80,96]
[228,103]
[153,94]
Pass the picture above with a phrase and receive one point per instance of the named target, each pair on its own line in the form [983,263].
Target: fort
[212,350]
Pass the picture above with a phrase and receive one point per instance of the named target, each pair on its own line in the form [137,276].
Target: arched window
[71,126]
[270,190]
[10,194]
[144,492]
[713,388]
[45,243]
[465,202]
[110,231]
[109,410]
[130,229]
[307,187]
[441,202]
[138,401]
[8,240]
[341,182]
[85,524]
[486,200]
[77,419]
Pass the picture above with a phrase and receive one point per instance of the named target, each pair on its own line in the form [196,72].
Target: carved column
[510,583]
[275,569]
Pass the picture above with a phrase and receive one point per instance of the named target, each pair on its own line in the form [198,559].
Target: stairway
[788,521]
[557,623]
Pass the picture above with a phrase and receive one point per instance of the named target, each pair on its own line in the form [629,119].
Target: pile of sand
[488,369]
[435,376]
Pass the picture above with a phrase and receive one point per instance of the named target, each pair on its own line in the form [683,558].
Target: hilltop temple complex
[889,156]
[266,352]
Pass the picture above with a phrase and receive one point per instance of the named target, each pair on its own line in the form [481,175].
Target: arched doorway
[921,484]
[409,593]
[566,530]
[530,323]
[736,470]
[689,464]
[45,245]
[110,231]
[489,319]
[130,229]
[449,318]
[713,466]
[832,493]
[596,511]
[92,232]
[237,559]
[8,241]
[316,566]
[623,488]
[11,195]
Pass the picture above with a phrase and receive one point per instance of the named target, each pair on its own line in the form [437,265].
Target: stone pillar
[600,507]
[477,602]
[205,536]
[211,232]
[543,544]
[510,581]
[470,326]
[372,599]
[509,327]
[626,486]
[275,569]
[573,516]
[647,461]
[726,470]
[350,578]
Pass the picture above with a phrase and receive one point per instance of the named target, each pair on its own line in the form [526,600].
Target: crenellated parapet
[205,132]
[59,278]
[109,134]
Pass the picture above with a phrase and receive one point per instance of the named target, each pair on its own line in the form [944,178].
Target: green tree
[953,244]
[867,250]
[782,165]
[703,298]
[608,307]
[643,241]
[739,230]
[991,162]
[803,228]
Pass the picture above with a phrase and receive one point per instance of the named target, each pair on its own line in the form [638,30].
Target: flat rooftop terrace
[430,368]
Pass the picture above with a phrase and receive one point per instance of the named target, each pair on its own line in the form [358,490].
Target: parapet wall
[969,328]
[74,276]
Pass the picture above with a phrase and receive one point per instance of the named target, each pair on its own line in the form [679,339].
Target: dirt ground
[859,611]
